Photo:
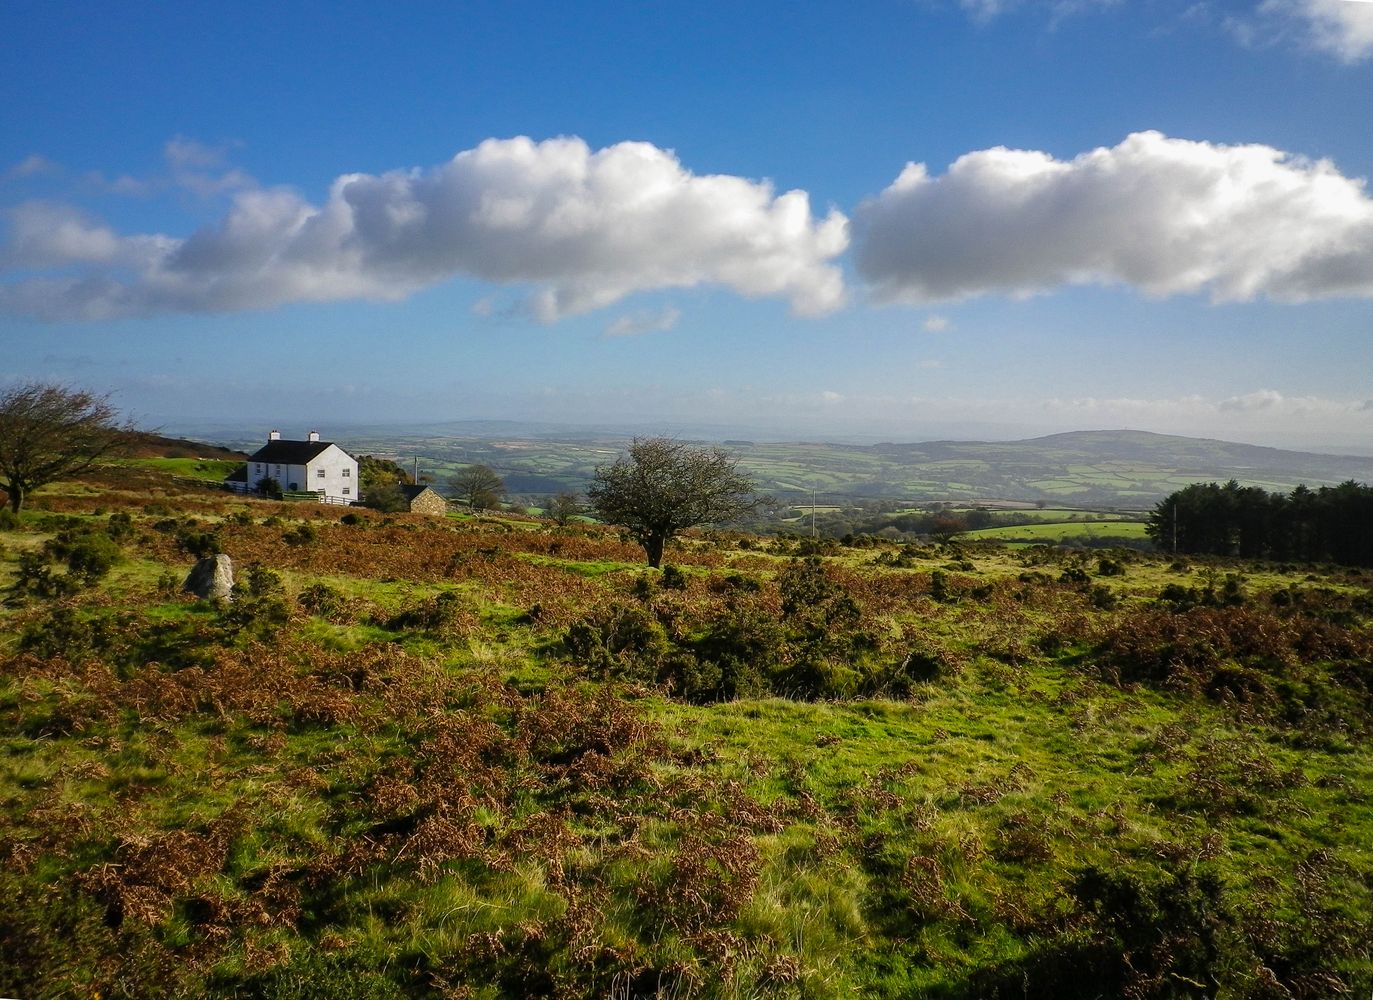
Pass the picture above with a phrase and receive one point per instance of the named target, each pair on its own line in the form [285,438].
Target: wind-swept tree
[48,432]
[664,486]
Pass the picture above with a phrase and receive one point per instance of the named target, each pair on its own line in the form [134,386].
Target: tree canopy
[664,486]
[1333,523]
[51,431]
[480,486]
[563,507]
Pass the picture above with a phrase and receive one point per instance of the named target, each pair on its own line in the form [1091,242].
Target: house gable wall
[335,472]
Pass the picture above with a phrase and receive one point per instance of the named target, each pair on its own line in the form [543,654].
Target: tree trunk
[16,496]
[653,546]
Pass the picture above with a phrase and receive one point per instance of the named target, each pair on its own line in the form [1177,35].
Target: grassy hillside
[496,758]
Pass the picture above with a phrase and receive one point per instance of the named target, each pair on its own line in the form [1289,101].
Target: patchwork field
[1099,469]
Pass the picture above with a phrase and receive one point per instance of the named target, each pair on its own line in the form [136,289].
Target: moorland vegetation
[495,756]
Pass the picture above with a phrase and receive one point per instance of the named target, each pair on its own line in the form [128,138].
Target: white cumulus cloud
[1343,28]
[585,227]
[1164,215]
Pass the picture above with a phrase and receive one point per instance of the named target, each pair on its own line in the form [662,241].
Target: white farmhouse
[318,466]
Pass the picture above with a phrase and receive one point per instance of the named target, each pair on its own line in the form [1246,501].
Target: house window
[319,474]
[346,491]
[347,473]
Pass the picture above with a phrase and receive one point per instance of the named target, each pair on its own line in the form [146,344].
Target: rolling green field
[1100,469]
[491,757]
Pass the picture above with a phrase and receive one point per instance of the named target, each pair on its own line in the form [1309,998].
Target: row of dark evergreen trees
[1331,524]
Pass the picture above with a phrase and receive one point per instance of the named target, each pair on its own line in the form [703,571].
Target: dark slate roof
[288,452]
[410,490]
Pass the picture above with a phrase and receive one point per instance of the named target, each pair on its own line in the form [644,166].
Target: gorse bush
[301,534]
[87,553]
[445,614]
[618,641]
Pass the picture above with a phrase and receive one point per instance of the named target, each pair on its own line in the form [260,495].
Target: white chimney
[274,435]
[314,435]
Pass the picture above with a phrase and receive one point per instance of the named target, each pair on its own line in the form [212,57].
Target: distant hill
[1114,466]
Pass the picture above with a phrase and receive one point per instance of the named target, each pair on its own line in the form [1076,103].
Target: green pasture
[1061,531]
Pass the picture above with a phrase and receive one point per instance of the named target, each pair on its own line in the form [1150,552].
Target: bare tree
[48,432]
[480,486]
[663,486]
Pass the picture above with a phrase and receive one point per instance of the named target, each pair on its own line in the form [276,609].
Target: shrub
[619,640]
[443,614]
[200,544]
[303,534]
[9,520]
[739,654]
[35,578]
[89,554]
[259,581]
[322,600]
[64,633]
[1075,576]
[255,617]
[673,578]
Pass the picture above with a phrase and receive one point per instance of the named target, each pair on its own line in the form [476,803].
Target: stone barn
[423,500]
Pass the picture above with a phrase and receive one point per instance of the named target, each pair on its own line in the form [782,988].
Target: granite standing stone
[212,578]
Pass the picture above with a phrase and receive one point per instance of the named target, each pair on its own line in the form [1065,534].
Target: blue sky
[1142,213]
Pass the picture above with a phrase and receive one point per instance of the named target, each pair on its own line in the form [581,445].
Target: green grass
[208,469]
[1061,531]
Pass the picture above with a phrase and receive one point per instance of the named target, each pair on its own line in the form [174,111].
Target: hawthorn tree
[664,486]
[48,432]
[563,507]
[480,486]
